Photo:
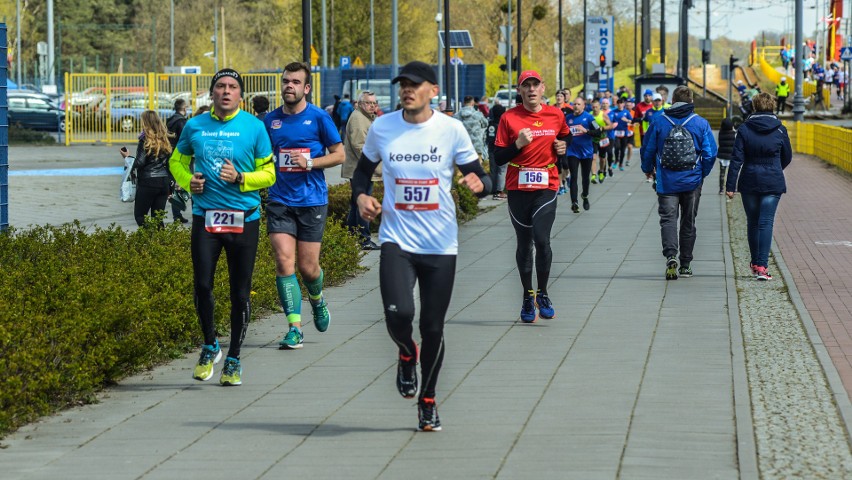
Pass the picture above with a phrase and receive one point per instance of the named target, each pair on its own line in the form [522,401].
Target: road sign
[314,56]
[846,53]
[358,63]
[345,63]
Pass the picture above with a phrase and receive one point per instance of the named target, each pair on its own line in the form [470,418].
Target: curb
[838,391]
[746,443]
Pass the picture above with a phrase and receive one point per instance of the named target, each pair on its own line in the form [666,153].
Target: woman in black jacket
[727,134]
[761,152]
[151,167]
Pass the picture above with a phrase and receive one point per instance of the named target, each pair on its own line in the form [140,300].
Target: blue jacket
[344,110]
[761,152]
[670,181]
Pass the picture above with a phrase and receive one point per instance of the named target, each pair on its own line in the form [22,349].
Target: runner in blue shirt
[580,151]
[233,160]
[621,118]
[298,202]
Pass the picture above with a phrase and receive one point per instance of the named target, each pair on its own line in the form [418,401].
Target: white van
[381,87]
[506,98]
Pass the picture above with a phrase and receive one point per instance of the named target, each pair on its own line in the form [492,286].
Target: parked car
[125,110]
[35,111]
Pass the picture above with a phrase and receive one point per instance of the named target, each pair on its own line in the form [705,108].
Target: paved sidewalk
[814,233]
[637,377]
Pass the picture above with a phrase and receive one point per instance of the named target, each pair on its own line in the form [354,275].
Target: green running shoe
[292,340]
[231,372]
[671,269]
[210,355]
[322,317]
[685,271]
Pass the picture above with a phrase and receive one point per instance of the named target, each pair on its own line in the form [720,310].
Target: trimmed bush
[19,135]
[82,309]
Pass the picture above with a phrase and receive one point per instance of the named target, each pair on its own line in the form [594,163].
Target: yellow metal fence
[831,144]
[107,107]
[767,67]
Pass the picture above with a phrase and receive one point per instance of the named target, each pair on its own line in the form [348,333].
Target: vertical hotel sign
[600,32]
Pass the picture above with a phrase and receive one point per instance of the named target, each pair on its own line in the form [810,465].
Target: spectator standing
[498,172]
[260,105]
[151,165]
[761,152]
[356,134]
[475,124]
[727,134]
[174,125]
[680,172]
[344,109]
[782,90]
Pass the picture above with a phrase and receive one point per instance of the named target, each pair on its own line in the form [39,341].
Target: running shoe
[610,171]
[753,268]
[427,413]
[292,340]
[545,306]
[231,373]
[575,208]
[627,163]
[601,176]
[762,274]
[671,269]
[210,355]
[406,376]
[528,308]
[620,168]
[685,270]
[322,317]
[586,205]
[561,191]
[594,179]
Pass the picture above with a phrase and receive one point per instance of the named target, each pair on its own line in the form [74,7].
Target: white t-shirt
[418,212]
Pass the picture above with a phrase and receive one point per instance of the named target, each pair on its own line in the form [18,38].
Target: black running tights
[533,214]
[240,250]
[621,144]
[574,165]
[398,271]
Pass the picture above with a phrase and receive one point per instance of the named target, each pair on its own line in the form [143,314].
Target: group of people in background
[535,152]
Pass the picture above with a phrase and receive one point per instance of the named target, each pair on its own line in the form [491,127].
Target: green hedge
[19,136]
[81,309]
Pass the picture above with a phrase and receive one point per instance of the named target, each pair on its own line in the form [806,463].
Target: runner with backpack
[679,149]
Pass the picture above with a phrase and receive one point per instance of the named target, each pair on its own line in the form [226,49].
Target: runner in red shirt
[640,109]
[530,136]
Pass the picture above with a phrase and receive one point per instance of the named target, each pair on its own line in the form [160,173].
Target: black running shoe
[575,208]
[671,268]
[586,205]
[427,412]
[406,376]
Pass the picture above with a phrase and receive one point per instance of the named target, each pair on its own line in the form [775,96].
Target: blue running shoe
[545,306]
[528,308]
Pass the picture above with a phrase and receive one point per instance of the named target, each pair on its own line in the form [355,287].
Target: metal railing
[831,144]
[107,107]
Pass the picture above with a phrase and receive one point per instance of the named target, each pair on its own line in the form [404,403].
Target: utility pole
[216,39]
[635,36]
[18,45]
[394,47]
[51,47]
[509,50]
[646,33]
[798,99]
[439,17]
[663,31]
[172,33]
[447,51]
[561,57]
[685,5]
[325,36]
[520,49]
[306,31]
[585,49]
[706,56]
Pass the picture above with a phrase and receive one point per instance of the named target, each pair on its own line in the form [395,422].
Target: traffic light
[731,61]
[603,60]
[705,56]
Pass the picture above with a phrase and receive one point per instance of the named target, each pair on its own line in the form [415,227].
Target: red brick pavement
[814,220]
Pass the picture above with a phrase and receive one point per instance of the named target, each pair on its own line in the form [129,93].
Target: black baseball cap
[417,72]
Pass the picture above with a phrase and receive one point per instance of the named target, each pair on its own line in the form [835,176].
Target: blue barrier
[4,133]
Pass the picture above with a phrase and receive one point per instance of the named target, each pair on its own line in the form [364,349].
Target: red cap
[527,74]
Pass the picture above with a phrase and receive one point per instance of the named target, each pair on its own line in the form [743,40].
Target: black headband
[227,72]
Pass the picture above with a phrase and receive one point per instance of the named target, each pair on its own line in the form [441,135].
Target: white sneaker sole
[215,361]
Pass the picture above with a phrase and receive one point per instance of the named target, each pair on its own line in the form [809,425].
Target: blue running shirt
[581,143]
[308,132]
[240,139]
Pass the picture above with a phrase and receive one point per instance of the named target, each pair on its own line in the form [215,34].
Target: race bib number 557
[415,194]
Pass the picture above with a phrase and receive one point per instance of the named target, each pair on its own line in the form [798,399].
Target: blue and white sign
[600,36]
[846,54]
[345,63]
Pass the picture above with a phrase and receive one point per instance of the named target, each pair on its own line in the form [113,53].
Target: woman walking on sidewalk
[761,152]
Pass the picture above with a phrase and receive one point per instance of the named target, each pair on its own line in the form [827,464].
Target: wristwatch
[239,178]
[310,165]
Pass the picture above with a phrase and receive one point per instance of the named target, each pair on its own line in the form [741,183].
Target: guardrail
[831,144]
[769,71]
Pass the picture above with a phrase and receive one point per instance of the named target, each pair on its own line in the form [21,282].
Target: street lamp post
[798,99]
[172,33]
